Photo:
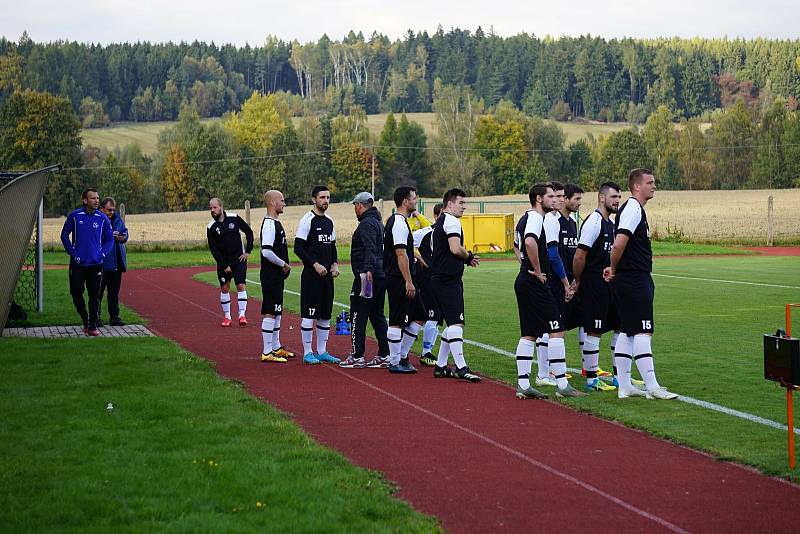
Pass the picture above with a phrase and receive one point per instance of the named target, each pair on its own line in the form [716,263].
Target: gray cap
[363,198]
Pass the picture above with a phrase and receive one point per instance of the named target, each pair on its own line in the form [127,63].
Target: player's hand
[287,268]
[335,270]
[369,276]
[243,257]
[608,274]
[228,270]
[411,291]
[322,271]
[422,262]
[574,286]
[568,294]
[476,260]
[540,276]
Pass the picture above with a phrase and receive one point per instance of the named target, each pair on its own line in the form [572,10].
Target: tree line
[485,150]
[591,77]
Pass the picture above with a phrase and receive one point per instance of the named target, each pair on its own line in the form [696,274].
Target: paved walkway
[131,330]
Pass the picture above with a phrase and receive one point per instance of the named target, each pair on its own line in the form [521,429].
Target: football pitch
[710,315]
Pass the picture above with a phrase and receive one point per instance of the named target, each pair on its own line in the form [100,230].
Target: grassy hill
[146,133]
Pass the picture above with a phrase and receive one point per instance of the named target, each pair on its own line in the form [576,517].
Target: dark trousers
[89,277]
[363,310]
[112,280]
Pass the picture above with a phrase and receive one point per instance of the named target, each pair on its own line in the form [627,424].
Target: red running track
[471,454]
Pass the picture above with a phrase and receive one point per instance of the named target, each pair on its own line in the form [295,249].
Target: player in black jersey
[449,258]
[593,255]
[631,265]
[225,243]
[539,312]
[274,270]
[315,245]
[422,241]
[406,310]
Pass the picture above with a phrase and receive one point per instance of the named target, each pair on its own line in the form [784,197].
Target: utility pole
[373,171]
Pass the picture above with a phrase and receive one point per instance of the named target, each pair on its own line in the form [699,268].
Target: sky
[250,21]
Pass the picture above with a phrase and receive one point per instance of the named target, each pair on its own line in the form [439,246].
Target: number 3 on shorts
[647,325]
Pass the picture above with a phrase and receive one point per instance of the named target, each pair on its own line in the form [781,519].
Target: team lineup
[596,279]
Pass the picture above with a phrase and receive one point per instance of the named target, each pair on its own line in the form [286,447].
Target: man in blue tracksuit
[88,239]
[115,263]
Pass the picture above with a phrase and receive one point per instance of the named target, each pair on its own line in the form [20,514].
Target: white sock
[541,357]
[267,331]
[225,302]
[455,337]
[307,334]
[643,355]
[429,336]
[623,360]
[276,333]
[409,337]
[241,297]
[614,338]
[323,330]
[394,335]
[591,356]
[558,360]
[524,362]
[444,350]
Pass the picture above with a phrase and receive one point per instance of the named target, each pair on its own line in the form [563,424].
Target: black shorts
[633,297]
[271,293]
[597,304]
[538,310]
[316,295]
[423,283]
[403,310]
[570,311]
[448,300]
[238,272]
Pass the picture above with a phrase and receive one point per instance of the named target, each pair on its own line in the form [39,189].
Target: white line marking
[522,456]
[725,281]
[683,398]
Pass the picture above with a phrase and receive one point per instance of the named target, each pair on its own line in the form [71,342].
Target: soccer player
[422,241]
[594,255]
[315,245]
[406,310]
[369,285]
[449,258]
[630,268]
[88,239]
[275,269]
[115,263]
[225,242]
[539,312]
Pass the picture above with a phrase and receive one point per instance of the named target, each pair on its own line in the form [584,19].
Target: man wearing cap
[369,286]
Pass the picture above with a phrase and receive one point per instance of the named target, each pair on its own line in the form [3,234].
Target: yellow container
[488,232]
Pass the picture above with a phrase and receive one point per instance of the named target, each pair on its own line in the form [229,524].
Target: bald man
[274,270]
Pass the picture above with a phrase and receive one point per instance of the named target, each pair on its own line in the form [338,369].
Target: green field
[707,346]
[146,133]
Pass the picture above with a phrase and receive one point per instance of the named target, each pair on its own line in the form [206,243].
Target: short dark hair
[556,186]
[402,193]
[609,185]
[570,190]
[86,192]
[537,191]
[636,175]
[451,195]
[437,209]
[106,200]
[318,189]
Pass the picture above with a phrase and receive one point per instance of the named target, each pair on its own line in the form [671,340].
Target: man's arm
[124,232]
[248,233]
[532,249]
[620,242]
[369,238]
[107,238]
[578,263]
[66,231]
[212,246]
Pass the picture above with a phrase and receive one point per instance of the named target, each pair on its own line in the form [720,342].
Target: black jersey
[532,225]
[632,221]
[225,239]
[422,241]
[397,235]
[567,242]
[446,266]
[597,238]
[315,241]
[273,238]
